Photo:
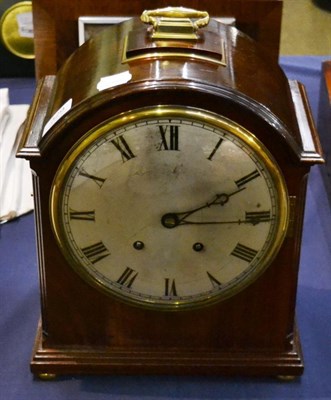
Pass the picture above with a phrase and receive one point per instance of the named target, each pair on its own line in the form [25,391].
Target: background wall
[306,27]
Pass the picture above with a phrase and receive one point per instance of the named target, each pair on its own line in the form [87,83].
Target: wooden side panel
[56,32]
[324,123]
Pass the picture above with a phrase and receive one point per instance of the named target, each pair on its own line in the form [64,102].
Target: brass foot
[286,378]
[47,377]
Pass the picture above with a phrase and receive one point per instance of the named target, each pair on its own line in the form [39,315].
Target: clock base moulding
[52,361]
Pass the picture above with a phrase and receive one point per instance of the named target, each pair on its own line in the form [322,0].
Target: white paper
[15,174]
[25,24]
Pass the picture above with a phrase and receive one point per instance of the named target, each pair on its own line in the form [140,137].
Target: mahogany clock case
[84,331]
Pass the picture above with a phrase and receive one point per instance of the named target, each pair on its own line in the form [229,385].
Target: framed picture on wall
[88,26]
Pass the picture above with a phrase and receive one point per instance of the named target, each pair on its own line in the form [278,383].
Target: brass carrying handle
[173,18]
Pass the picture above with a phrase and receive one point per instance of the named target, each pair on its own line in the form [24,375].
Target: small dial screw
[198,246]
[138,245]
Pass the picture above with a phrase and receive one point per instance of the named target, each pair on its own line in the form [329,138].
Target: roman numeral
[213,280]
[247,178]
[169,137]
[82,215]
[128,277]
[255,217]
[123,147]
[99,181]
[218,144]
[95,252]
[244,253]
[170,287]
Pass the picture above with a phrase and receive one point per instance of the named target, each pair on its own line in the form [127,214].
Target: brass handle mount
[175,22]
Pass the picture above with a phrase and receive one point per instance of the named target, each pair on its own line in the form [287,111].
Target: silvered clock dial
[169,207]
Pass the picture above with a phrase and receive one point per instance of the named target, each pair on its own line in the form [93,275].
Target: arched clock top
[221,56]
[221,62]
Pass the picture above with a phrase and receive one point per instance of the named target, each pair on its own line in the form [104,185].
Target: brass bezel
[200,115]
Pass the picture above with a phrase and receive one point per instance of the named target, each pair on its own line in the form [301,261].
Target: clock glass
[169,207]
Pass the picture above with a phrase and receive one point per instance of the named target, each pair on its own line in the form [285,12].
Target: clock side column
[40,250]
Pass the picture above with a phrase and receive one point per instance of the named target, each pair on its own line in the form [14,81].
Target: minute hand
[171,220]
[238,221]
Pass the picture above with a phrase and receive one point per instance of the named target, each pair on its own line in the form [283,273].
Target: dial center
[170,220]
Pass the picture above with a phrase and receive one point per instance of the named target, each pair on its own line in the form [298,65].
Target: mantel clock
[170,158]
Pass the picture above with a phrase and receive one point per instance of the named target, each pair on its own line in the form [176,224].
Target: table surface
[19,302]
